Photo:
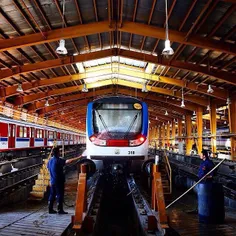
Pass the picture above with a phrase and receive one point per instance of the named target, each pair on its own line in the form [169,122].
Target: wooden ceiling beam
[55,63]
[101,70]
[68,101]
[176,36]
[22,100]
[54,35]
[221,75]
[128,27]
[50,109]
[40,104]
[175,105]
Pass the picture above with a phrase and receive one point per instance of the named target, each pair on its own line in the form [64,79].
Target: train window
[25,132]
[13,131]
[21,132]
[41,133]
[118,123]
[55,135]
[45,134]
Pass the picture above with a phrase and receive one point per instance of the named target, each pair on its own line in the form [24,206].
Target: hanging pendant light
[19,89]
[194,113]
[166,113]
[182,102]
[84,89]
[228,101]
[210,90]
[168,51]
[47,103]
[144,88]
[62,49]
[208,108]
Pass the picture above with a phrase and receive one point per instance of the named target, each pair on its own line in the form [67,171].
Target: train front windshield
[117,121]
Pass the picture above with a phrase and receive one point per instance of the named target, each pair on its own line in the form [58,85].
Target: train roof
[117,99]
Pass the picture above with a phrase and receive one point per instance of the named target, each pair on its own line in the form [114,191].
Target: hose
[195,184]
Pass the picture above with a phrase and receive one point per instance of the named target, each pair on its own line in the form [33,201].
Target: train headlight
[96,141]
[137,142]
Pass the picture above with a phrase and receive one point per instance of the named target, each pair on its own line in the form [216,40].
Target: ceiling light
[61,49]
[84,89]
[208,108]
[182,102]
[168,51]
[194,113]
[166,113]
[228,101]
[210,90]
[46,103]
[19,89]
[225,122]
[144,88]
[156,118]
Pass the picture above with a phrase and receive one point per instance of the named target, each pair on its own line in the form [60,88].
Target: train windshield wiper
[103,123]
[131,125]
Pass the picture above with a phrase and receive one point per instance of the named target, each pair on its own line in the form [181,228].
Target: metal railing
[168,170]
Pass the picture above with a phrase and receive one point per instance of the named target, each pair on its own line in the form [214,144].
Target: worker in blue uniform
[205,166]
[57,180]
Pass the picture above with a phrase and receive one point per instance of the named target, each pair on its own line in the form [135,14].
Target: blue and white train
[17,134]
[117,129]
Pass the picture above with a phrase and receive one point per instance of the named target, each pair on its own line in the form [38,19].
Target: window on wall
[45,134]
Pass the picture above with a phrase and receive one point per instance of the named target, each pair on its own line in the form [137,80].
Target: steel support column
[199,129]
[189,140]
[173,134]
[213,125]
[168,136]
[232,125]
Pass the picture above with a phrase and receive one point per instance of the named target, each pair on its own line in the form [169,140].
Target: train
[222,140]
[20,135]
[117,129]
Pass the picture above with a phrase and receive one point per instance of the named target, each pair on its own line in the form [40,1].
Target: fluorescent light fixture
[80,67]
[19,89]
[84,89]
[210,90]
[149,68]
[61,49]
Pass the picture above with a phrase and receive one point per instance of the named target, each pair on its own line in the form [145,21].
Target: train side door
[12,136]
[45,138]
[32,131]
